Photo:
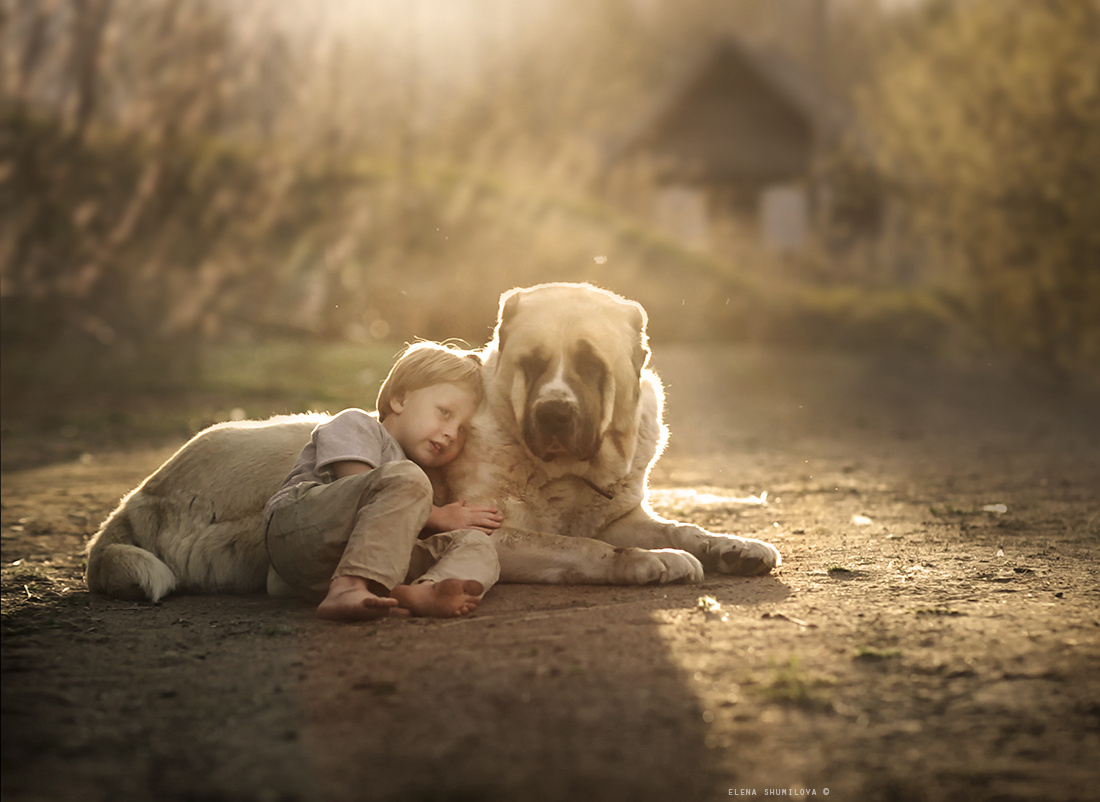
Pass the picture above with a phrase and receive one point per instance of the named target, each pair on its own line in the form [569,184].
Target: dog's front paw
[679,566]
[656,567]
[739,556]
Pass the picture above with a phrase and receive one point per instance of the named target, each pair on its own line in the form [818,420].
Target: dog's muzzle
[557,428]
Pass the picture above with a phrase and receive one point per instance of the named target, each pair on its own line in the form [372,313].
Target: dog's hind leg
[128,572]
[120,569]
[153,545]
[220,557]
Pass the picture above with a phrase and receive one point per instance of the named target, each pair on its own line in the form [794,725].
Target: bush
[986,120]
[902,322]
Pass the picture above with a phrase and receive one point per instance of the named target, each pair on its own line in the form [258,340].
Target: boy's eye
[445,413]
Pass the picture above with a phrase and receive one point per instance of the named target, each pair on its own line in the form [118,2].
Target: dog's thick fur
[564,444]
[196,524]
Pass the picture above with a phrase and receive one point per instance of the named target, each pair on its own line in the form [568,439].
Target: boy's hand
[459,515]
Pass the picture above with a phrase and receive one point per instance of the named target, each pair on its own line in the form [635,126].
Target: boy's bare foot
[445,599]
[350,599]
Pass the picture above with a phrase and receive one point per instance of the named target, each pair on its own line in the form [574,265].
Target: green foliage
[901,321]
[307,375]
[229,182]
[130,256]
[939,611]
[125,254]
[790,684]
[252,380]
[874,654]
[986,118]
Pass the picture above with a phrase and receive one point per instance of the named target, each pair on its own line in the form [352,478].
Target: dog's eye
[533,366]
[589,366]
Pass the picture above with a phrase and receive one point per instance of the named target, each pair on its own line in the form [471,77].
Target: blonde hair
[425,364]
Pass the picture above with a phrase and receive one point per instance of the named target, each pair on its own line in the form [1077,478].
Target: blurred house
[736,141]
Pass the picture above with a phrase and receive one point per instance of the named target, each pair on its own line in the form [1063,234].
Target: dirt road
[933,634]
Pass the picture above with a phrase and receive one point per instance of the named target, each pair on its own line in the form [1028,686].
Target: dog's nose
[556,418]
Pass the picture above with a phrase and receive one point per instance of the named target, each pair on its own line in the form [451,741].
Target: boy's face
[430,423]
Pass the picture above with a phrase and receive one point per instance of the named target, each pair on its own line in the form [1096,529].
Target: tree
[986,121]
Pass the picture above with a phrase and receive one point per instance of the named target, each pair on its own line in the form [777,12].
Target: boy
[344,527]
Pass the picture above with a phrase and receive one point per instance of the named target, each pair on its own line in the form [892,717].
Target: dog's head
[570,358]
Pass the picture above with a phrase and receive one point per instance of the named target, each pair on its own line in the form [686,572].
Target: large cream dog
[563,445]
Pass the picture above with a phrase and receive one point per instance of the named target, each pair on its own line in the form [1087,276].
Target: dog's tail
[120,568]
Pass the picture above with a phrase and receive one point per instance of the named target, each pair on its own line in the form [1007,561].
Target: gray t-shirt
[351,435]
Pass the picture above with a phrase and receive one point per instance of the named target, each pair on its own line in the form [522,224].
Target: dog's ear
[641,340]
[509,306]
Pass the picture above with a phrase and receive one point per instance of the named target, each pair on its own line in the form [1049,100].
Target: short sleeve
[354,435]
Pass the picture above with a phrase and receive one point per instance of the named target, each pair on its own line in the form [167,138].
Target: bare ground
[914,645]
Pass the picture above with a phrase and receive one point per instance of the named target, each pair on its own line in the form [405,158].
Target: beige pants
[368,525]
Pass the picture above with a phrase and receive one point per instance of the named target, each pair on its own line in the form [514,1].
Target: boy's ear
[397,404]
